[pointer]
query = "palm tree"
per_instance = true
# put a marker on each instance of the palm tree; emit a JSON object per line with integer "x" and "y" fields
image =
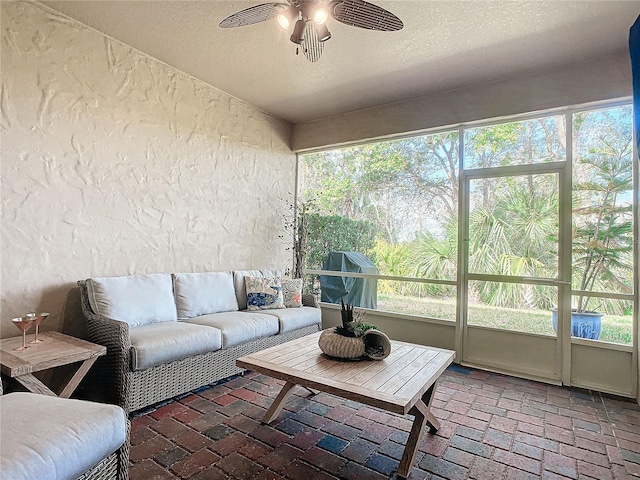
{"x": 436, "y": 258}
{"x": 514, "y": 236}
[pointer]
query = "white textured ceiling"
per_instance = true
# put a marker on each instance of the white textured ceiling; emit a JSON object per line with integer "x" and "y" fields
{"x": 444, "y": 45}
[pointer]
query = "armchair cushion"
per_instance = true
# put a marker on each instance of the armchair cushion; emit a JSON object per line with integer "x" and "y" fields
{"x": 56, "y": 438}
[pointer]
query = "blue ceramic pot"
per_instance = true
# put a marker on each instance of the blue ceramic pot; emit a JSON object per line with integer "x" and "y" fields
{"x": 583, "y": 324}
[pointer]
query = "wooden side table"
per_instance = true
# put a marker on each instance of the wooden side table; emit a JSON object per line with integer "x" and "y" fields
{"x": 57, "y": 349}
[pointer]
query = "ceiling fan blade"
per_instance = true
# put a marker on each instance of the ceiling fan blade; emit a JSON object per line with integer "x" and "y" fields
{"x": 358, "y": 13}
{"x": 311, "y": 46}
{"x": 255, "y": 14}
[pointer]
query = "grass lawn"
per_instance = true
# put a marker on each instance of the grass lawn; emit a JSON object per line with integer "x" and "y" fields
{"x": 616, "y": 329}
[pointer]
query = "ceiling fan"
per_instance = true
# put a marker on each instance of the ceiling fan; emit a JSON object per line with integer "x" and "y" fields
{"x": 309, "y": 18}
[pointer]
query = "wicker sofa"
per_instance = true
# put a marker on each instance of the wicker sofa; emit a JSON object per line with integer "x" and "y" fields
{"x": 54, "y": 438}
{"x": 168, "y": 334}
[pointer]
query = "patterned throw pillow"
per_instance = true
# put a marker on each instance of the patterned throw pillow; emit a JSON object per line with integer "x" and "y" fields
{"x": 292, "y": 291}
{"x": 263, "y": 293}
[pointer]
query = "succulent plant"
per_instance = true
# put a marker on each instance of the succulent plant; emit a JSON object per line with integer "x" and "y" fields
{"x": 352, "y": 324}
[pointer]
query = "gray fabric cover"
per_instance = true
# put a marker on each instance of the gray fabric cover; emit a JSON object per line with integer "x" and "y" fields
{"x": 239, "y": 327}
{"x": 54, "y": 438}
{"x": 136, "y": 299}
{"x": 204, "y": 293}
{"x": 295, "y": 318}
{"x": 159, "y": 343}
{"x": 239, "y": 285}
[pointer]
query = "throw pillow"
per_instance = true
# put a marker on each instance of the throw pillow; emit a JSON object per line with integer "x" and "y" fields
{"x": 292, "y": 292}
{"x": 263, "y": 293}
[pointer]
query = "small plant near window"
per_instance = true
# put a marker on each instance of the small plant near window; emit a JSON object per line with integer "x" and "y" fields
{"x": 296, "y": 233}
{"x": 602, "y": 231}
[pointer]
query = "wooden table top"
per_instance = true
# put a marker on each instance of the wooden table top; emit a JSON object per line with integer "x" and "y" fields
{"x": 57, "y": 349}
{"x": 394, "y": 384}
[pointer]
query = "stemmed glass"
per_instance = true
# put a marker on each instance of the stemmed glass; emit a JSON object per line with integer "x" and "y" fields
{"x": 23, "y": 324}
{"x": 38, "y": 318}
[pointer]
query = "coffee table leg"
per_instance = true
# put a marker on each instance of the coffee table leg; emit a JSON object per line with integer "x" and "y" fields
{"x": 422, "y": 417}
{"x": 278, "y": 403}
{"x": 313, "y": 392}
{"x": 427, "y": 398}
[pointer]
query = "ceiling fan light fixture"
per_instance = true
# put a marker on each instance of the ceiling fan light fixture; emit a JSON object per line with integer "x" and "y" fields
{"x": 320, "y": 15}
{"x": 298, "y": 32}
{"x": 285, "y": 19}
{"x": 310, "y": 16}
{"x": 323, "y": 32}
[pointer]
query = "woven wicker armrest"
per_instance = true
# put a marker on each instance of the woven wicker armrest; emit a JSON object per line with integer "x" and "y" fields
{"x": 112, "y": 333}
{"x": 309, "y": 300}
{"x": 114, "y": 367}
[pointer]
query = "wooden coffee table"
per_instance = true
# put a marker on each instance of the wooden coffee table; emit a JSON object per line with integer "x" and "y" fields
{"x": 57, "y": 349}
{"x": 402, "y": 383}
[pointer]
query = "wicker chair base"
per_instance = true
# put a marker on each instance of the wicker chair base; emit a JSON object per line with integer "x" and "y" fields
{"x": 106, "y": 469}
{"x": 113, "y": 467}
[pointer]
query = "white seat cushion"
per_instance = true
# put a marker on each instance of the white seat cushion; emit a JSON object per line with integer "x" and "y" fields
{"x": 46, "y": 437}
{"x": 159, "y": 343}
{"x": 204, "y": 293}
{"x": 239, "y": 327}
{"x": 295, "y": 318}
{"x": 136, "y": 299}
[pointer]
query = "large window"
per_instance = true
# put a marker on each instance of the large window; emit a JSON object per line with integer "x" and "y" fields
{"x": 602, "y": 221}
{"x": 397, "y": 203}
{"x": 516, "y": 143}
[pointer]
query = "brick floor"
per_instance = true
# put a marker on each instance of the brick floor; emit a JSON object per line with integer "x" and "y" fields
{"x": 493, "y": 427}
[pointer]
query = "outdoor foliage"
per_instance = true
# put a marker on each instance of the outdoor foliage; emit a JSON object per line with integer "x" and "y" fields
{"x": 602, "y": 216}
{"x": 334, "y": 233}
{"x": 404, "y": 193}
{"x": 311, "y": 236}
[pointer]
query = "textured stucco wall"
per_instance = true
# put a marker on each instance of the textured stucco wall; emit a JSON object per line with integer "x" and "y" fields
{"x": 114, "y": 163}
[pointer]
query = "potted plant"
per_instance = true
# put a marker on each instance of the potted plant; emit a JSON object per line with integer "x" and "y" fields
{"x": 354, "y": 339}
{"x": 601, "y": 234}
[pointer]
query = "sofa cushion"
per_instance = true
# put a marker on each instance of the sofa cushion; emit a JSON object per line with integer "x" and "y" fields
{"x": 136, "y": 299}
{"x": 47, "y": 437}
{"x": 295, "y": 318}
{"x": 239, "y": 283}
{"x": 204, "y": 293}
{"x": 239, "y": 327}
{"x": 263, "y": 293}
{"x": 292, "y": 292}
{"x": 153, "y": 345}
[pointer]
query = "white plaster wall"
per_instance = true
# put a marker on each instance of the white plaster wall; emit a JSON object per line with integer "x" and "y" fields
{"x": 114, "y": 163}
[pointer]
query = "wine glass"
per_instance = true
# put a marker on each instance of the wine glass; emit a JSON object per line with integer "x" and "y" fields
{"x": 23, "y": 324}
{"x": 38, "y": 318}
